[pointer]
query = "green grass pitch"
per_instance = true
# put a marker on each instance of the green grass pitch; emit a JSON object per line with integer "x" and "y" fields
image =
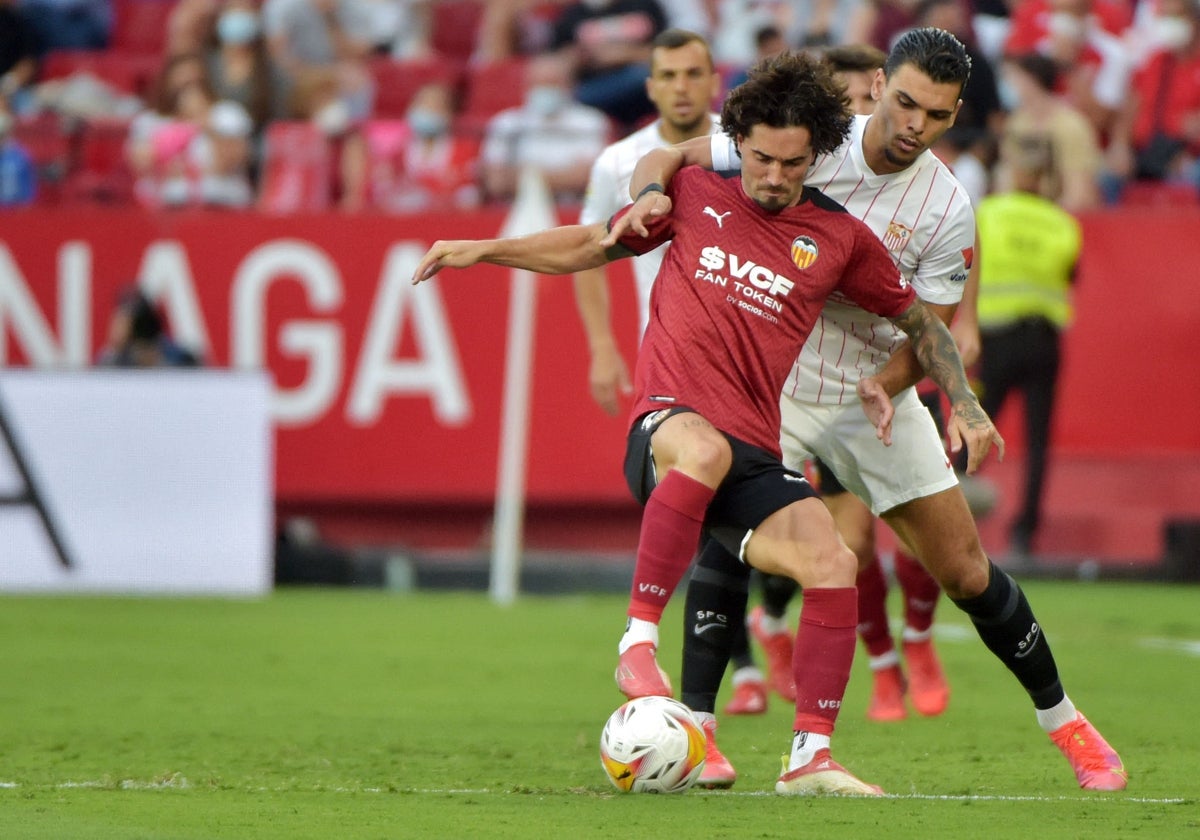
{"x": 367, "y": 714}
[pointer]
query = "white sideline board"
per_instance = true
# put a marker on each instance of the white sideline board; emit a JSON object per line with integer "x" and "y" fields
{"x": 136, "y": 481}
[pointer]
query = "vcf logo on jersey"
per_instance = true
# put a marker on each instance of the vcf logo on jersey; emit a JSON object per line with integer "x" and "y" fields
{"x": 804, "y": 251}
{"x": 749, "y": 279}
{"x": 896, "y": 236}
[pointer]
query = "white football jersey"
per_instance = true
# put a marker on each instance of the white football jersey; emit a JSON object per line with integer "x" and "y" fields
{"x": 608, "y": 192}
{"x": 924, "y": 217}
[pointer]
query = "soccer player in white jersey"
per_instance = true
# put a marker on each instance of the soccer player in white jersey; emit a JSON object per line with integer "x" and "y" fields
{"x": 886, "y": 175}
{"x": 855, "y": 65}
{"x": 682, "y": 85}
{"x": 751, "y": 262}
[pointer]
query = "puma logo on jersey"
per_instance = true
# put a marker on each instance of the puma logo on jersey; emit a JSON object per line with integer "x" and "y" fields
{"x": 708, "y": 211}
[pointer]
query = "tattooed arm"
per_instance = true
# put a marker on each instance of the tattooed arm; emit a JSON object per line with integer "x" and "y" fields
{"x": 934, "y": 348}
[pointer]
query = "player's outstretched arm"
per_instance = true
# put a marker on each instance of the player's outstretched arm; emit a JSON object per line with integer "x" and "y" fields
{"x": 560, "y": 250}
{"x": 935, "y": 350}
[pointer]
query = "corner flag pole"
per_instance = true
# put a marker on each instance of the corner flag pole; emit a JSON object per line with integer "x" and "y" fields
{"x": 532, "y": 211}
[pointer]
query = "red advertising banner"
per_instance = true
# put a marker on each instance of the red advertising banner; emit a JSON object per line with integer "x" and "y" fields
{"x": 388, "y": 393}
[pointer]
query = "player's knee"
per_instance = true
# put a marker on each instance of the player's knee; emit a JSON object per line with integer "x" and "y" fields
{"x": 964, "y": 573}
{"x": 829, "y": 564}
{"x": 863, "y": 551}
{"x": 706, "y": 458}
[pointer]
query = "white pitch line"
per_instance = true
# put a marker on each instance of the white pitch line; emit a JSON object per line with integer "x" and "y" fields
{"x": 1191, "y": 647}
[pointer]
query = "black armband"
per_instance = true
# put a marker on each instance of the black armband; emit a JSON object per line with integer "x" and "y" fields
{"x": 653, "y": 187}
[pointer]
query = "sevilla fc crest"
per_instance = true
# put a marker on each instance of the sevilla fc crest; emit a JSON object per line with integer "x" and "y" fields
{"x": 896, "y": 236}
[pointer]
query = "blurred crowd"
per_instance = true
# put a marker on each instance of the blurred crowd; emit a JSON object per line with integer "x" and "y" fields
{"x": 417, "y": 105}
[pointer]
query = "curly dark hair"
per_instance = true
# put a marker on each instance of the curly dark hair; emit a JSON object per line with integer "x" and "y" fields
{"x": 787, "y": 90}
{"x": 935, "y": 52}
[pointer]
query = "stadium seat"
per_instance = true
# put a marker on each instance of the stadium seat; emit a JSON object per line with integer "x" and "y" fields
{"x": 297, "y": 169}
{"x": 126, "y": 72}
{"x": 101, "y": 174}
{"x": 140, "y": 26}
{"x": 455, "y": 26}
{"x": 48, "y": 142}
{"x": 492, "y": 87}
{"x": 397, "y": 81}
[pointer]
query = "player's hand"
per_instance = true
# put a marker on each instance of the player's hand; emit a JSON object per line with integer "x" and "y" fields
{"x": 609, "y": 379}
{"x": 453, "y": 253}
{"x": 649, "y": 206}
{"x": 970, "y": 426}
{"x": 966, "y": 338}
{"x": 877, "y": 405}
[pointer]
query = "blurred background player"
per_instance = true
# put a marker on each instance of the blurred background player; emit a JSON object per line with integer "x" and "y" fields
{"x": 682, "y": 85}
{"x": 1029, "y": 252}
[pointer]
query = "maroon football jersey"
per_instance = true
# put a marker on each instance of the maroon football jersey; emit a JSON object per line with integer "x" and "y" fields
{"x": 738, "y": 292}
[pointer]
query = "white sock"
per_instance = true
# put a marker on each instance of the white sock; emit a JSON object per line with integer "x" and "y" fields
{"x": 911, "y": 635}
{"x": 637, "y": 631}
{"x": 772, "y": 626}
{"x": 747, "y": 674}
{"x": 804, "y": 748}
{"x": 884, "y": 660}
{"x": 1057, "y": 716}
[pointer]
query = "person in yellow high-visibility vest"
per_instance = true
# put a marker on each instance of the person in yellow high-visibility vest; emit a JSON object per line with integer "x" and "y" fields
{"x": 1029, "y": 250}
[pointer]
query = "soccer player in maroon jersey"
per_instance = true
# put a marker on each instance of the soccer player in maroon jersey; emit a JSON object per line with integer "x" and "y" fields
{"x": 752, "y": 260}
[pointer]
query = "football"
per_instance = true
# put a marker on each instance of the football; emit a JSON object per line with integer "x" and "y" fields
{"x": 652, "y": 745}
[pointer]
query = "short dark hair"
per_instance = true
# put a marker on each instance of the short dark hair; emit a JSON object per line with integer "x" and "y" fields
{"x": 935, "y": 52}
{"x": 786, "y": 90}
{"x": 673, "y": 39}
{"x": 854, "y": 58}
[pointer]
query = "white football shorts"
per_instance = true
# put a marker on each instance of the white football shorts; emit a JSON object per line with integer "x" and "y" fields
{"x": 914, "y": 466}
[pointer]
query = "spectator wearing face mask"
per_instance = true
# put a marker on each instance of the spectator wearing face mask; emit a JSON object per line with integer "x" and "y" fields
{"x": 550, "y": 132}
{"x": 419, "y": 163}
{"x": 317, "y": 40}
{"x": 240, "y": 67}
{"x": 1157, "y": 137}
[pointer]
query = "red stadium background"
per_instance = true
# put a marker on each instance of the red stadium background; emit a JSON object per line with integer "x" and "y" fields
{"x": 388, "y": 398}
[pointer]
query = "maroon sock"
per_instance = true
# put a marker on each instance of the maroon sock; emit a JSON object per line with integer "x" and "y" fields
{"x": 921, "y": 592}
{"x": 873, "y": 626}
{"x": 822, "y": 656}
{"x": 669, "y": 538}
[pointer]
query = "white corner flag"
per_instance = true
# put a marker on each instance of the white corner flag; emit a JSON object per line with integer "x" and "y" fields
{"x": 532, "y": 211}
